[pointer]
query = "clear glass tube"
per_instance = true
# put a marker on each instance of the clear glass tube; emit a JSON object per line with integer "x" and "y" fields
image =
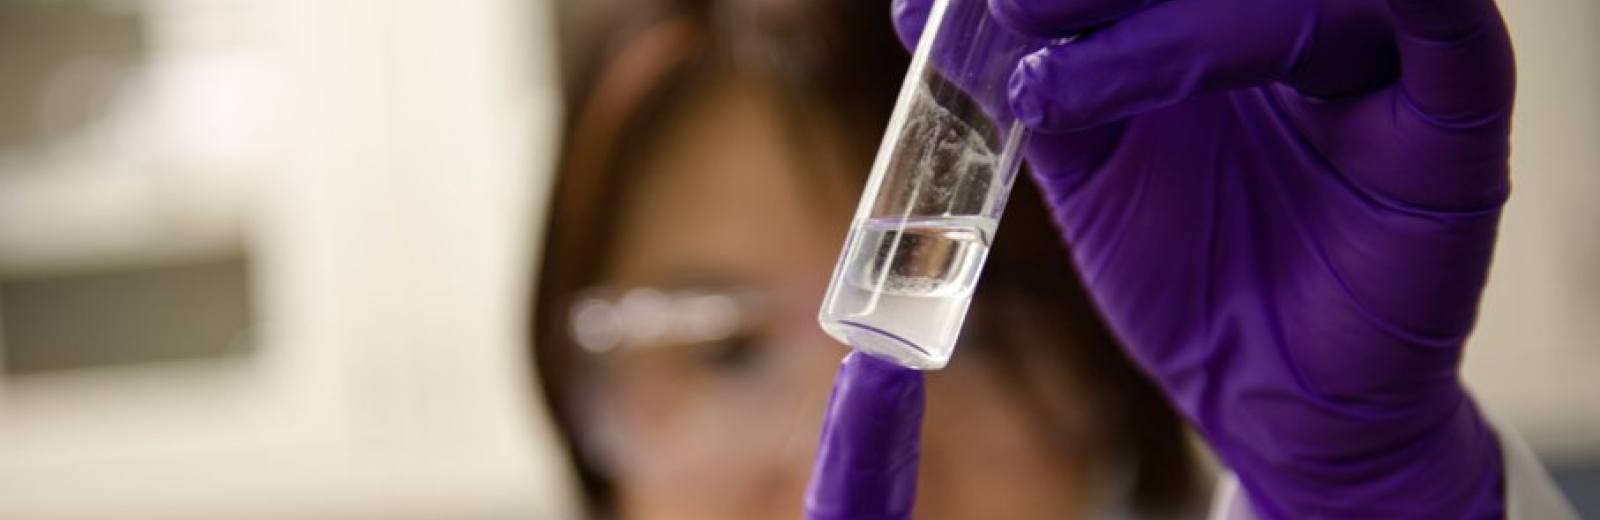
{"x": 938, "y": 186}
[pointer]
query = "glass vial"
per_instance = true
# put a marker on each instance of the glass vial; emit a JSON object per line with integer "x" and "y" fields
{"x": 922, "y": 230}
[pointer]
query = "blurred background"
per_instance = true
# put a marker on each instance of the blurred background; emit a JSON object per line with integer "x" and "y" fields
{"x": 269, "y": 259}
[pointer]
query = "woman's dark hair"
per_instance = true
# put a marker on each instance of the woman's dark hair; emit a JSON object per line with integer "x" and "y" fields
{"x": 627, "y": 62}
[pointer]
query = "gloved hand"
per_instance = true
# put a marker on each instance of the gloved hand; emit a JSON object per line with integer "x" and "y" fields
{"x": 866, "y": 466}
{"x": 1285, "y": 209}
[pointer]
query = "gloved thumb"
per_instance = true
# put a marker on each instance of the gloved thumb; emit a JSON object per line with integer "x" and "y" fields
{"x": 866, "y": 465}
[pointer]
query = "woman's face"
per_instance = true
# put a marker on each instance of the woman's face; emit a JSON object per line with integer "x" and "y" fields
{"x": 725, "y": 428}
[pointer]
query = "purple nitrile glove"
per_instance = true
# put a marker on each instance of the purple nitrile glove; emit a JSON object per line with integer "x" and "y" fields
{"x": 1285, "y": 209}
{"x": 866, "y": 465}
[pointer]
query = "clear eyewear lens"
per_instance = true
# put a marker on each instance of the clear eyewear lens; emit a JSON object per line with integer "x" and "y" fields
{"x": 651, "y": 318}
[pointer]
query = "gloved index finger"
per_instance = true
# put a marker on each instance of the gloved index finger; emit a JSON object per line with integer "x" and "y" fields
{"x": 866, "y": 465}
{"x": 967, "y": 49}
{"x": 1045, "y": 19}
{"x": 1061, "y": 18}
{"x": 909, "y": 17}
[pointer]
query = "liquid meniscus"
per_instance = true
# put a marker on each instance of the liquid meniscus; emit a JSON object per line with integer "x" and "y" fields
{"x": 903, "y": 290}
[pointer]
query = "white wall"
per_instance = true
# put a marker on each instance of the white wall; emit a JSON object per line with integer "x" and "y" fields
{"x": 387, "y": 192}
{"x": 1537, "y": 348}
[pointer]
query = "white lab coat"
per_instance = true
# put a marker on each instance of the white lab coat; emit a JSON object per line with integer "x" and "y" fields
{"x": 1530, "y": 494}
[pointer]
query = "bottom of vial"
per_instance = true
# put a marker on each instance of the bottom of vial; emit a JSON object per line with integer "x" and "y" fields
{"x": 886, "y": 345}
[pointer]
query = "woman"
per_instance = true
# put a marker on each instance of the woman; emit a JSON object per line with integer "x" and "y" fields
{"x": 1283, "y": 209}
{"x": 715, "y": 151}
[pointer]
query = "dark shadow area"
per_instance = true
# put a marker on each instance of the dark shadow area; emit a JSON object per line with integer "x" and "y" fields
{"x": 127, "y": 316}
{"x": 1580, "y": 481}
{"x": 59, "y": 63}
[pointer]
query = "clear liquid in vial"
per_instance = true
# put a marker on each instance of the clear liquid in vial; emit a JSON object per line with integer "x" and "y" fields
{"x": 904, "y": 287}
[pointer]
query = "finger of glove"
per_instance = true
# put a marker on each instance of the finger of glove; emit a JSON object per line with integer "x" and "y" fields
{"x": 1351, "y": 52}
{"x": 1438, "y": 141}
{"x": 1456, "y": 59}
{"x": 866, "y": 465}
{"x": 1048, "y": 19}
{"x": 909, "y": 16}
{"x": 1158, "y": 57}
{"x": 1059, "y": 159}
{"x": 1061, "y": 18}
{"x": 970, "y": 52}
